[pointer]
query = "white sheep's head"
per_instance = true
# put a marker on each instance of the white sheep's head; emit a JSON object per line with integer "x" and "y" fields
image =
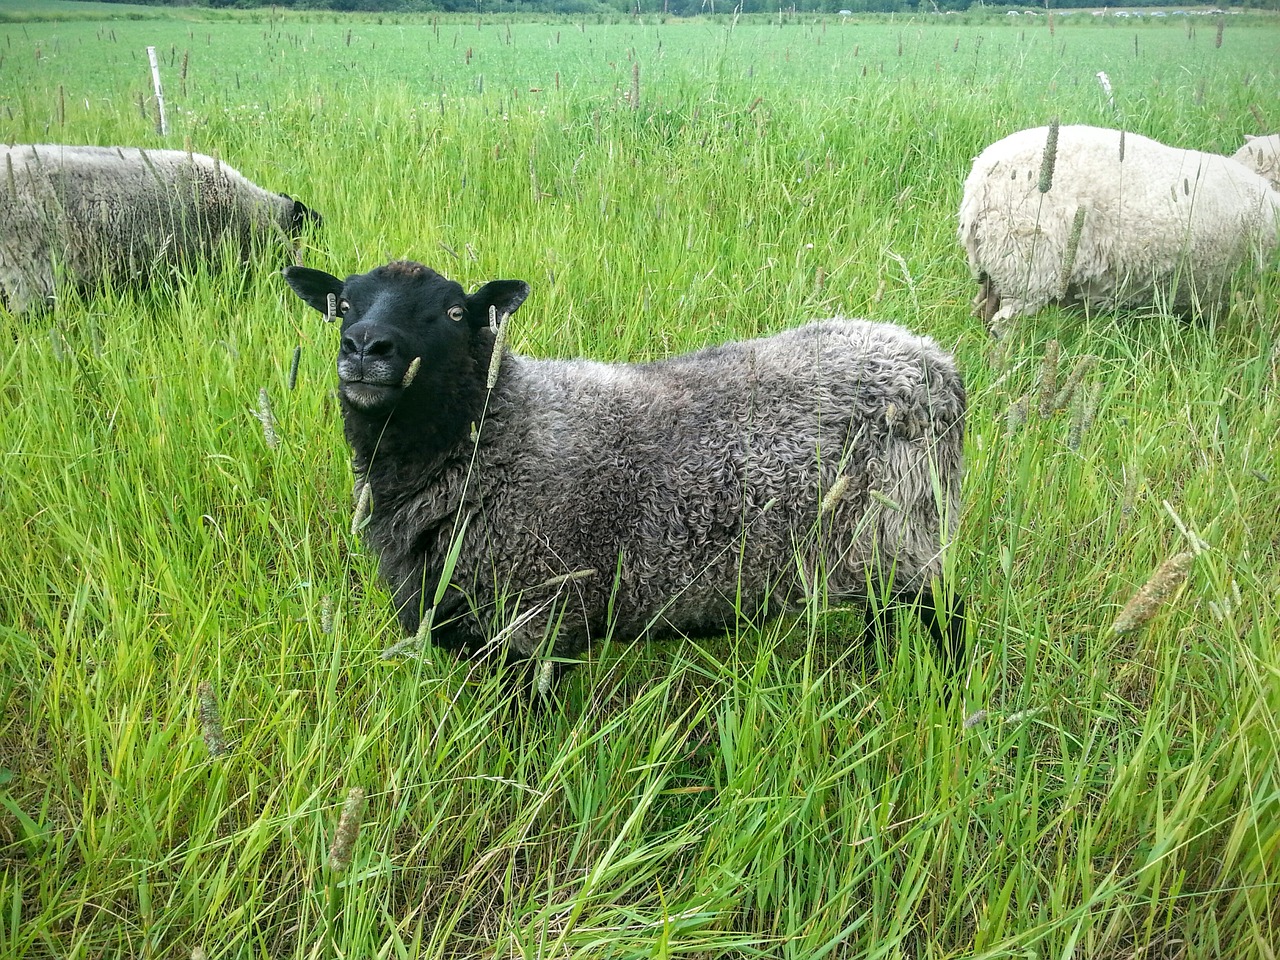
{"x": 1262, "y": 156}
{"x": 405, "y": 330}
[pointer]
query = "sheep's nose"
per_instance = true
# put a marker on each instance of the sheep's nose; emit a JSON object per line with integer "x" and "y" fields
{"x": 365, "y": 342}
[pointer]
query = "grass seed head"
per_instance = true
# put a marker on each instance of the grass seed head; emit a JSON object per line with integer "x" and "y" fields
{"x": 1083, "y": 412}
{"x": 411, "y": 373}
{"x": 499, "y": 346}
{"x": 833, "y": 495}
{"x": 210, "y": 721}
{"x": 1076, "y": 377}
{"x": 1050, "y": 157}
{"x": 1142, "y": 606}
{"x": 1069, "y": 256}
{"x": 363, "y": 505}
{"x": 884, "y": 500}
{"x": 267, "y": 419}
{"x": 1049, "y": 379}
{"x": 326, "y": 614}
{"x": 293, "y": 367}
{"x": 344, "y": 838}
{"x": 1016, "y": 416}
{"x": 546, "y": 673}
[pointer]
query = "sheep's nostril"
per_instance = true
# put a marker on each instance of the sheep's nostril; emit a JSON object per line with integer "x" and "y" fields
{"x": 378, "y": 348}
{"x": 349, "y": 346}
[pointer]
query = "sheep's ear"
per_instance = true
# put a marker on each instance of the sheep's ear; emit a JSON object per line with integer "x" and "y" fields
{"x": 505, "y": 296}
{"x": 301, "y": 216}
{"x": 314, "y": 286}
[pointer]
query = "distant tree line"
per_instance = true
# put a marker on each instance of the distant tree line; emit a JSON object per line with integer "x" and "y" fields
{"x": 679, "y": 8}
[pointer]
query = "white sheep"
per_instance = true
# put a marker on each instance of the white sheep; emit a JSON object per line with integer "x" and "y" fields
{"x": 89, "y": 214}
{"x": 1124, "y": 221}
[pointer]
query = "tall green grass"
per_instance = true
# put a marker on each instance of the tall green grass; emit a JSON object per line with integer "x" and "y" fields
{"x": 772, "y": 793}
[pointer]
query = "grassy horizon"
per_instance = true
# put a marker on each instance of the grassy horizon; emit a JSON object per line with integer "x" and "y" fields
{"x": 767, "y": 794}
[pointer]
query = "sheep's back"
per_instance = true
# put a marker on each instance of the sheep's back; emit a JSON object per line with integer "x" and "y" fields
{"x": 1158, "y": 212}
{"x": 705, "y": 472}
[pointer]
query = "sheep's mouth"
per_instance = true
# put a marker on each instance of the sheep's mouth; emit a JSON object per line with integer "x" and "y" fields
{"x": 369, "y": 394}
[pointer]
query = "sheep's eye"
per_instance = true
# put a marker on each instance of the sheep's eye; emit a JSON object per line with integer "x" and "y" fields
{"x": 456, "y": 314}
{"x": 344, "y": 305}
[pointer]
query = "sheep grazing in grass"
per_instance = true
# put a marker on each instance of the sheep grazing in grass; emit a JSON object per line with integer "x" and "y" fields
{"x": 540, "y": 505}
{"x": 92, "y": 214}
{"x": 1109, "y": 218}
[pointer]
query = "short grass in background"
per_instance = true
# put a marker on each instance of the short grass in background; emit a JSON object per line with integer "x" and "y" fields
{"x": 191, "y": 692}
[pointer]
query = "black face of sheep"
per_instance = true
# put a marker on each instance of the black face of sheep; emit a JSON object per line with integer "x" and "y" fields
{"x": 302, "y": 217}
{"x": 402, "y": 313}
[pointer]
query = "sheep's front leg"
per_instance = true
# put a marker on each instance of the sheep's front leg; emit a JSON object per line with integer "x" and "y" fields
{"x": 987, "y": 301}
{"x": 944, "y": 619}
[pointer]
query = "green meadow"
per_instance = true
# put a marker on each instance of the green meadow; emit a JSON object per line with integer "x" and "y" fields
{"x": 781, "y": 791}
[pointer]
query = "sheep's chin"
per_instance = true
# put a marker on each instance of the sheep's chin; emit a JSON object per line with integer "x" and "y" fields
{"x": 369, "y": 397}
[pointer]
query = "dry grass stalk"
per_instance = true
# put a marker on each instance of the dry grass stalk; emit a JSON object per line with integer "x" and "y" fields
{"x": 1105, "y": 83}
{"x": 1142, "y": 606}
{"x": 344, "y": 838}
{"x": 585, "y": 574}
{"x": 1224, "y": 608}
{"x": 1198, "y": 545}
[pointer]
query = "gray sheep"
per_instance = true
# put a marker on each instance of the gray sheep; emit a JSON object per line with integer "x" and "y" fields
{"x": 622, "y": 500}
{"x": 117, "y": 213}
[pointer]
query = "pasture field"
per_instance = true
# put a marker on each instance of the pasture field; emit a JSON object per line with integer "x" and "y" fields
{"x": 778, "y": 792}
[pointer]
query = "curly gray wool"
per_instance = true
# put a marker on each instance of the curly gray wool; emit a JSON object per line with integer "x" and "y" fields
{"x": 615, "y": 499}
{"x": 89, "y": 214}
